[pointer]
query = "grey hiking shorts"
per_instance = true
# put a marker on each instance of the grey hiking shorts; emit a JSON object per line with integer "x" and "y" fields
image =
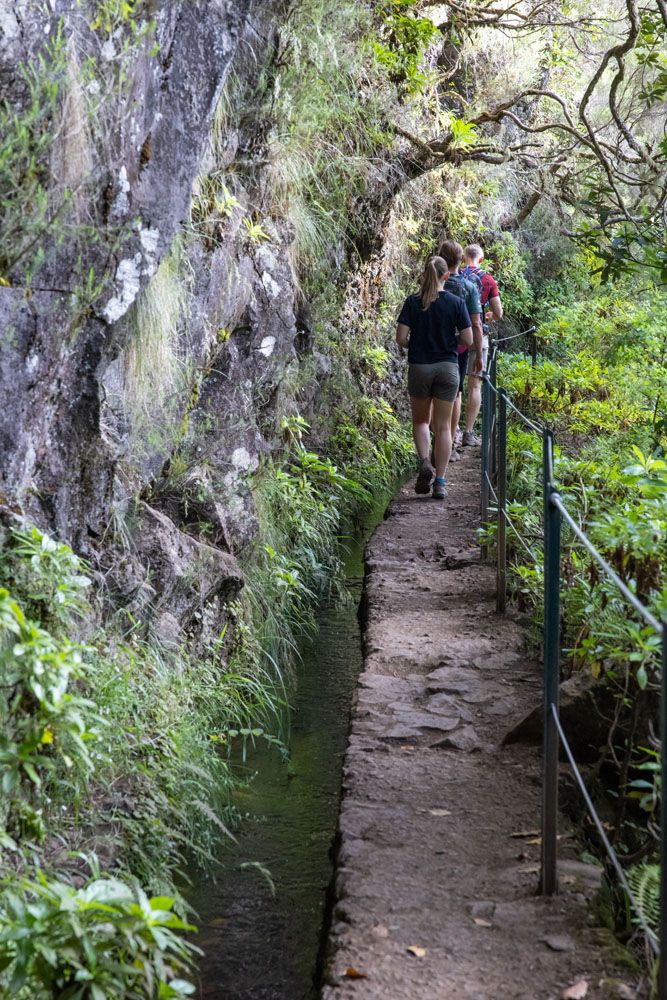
{"x": 439, "y": 381}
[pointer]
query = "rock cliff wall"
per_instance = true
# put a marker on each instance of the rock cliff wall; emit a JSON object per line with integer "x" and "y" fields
{"x": 159, "y": 326}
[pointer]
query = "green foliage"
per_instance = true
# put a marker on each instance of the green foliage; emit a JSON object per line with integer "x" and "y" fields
{"x": 325, "y": 124}
{"x": 158, "y": 368}
{"x": 644, "y": 881}
{"x": 48, "y": 573}
{"x": 45, "y": 725}
{"x": 118, "y": 735}
{"x": 26, "y": 143}
{"x": 403, "y": 39}
{"x": 509, "y": 264}
{"x": 225, "y": 202}
{"x": 255, "y": 232}
{"x": 376, "y": 360}
{"x": 464, "y": 134}
{"x": 601, "y": 385}
{"x": 633, "y": 242}
{"x": 112, "y": 16}
{"x": 99, "y": 942}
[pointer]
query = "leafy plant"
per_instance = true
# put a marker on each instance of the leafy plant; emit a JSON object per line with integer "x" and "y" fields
{"x": 255, "y": 232}
{"x": 403, "y": 39}
{"x": 644, "y": 881}
{"x": 99, "y": 942}
{"x": 46, "y": 726}
{"x": 26, "y": 212}
{"x": 50, "y": 576}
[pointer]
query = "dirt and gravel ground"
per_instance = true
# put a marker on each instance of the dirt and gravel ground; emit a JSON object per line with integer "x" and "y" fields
{"x": 439, "y": 852}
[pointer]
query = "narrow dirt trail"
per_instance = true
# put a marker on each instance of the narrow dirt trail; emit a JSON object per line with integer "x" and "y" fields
{"x": 429, "y": 853}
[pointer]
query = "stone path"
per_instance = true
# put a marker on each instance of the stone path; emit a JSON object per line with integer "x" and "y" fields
{"x": 439, "y": 850}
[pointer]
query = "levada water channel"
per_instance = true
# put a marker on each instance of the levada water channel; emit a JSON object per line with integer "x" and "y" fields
{"x": 259, "y": 946}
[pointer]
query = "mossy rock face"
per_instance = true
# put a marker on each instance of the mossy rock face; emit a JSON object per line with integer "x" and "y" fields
{"x": 605, "y": 939}
{"x": 56, "y": 458}
{"x": 603, "y": 906}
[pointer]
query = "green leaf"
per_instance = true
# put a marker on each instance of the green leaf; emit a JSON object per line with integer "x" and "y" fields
{"x": 161, "y": 902}
{"x": 32, "y": 773}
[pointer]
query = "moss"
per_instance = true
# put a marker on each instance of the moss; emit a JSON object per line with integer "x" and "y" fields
{"x": 620, "y": 956}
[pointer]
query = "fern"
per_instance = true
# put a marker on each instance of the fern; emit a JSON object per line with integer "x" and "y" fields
{"x": 644, "y": 881}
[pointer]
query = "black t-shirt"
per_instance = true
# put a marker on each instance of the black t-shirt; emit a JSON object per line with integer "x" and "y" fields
{"x": 433, "y": 332}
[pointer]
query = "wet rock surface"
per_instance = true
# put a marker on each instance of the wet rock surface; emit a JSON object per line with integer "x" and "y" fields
{"x": 439, "y": 858}
{"x": 169, "y": 383}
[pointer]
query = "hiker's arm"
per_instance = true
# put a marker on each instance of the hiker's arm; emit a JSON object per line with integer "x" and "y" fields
{"x": 466, "y": 336}
{"x": 477, "y": 340}
{"x": 495, "y": 308}
{"x": 402, "y": 335}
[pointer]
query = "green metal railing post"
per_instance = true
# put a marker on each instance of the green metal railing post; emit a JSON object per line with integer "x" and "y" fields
{"x": 487, "y": 393}
{"x": 533, "y": 350}
{"x": 501, "y": 566}
{"x": 552, "y": 524}
{"x": 662, "y": 967}
{"x": 493, "y": 370}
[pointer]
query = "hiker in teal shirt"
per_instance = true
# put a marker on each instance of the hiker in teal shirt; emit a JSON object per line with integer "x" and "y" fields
{"x": 469, "y": 292}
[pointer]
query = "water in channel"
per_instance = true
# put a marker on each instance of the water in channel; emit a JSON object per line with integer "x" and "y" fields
{"x": 263, "y": 947}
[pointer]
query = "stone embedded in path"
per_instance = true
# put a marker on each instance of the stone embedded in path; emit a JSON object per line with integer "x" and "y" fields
{"x": 384, "y": 683}
{"x": 401, "y": 732}
{"x": 447, "y": 708}
{"x": 465, "y": 739}
{"x": 581, "y": 876}
{"x": 451, "y": 680}
{"x": 426, "y": 720}
{"x": 558, "y": 942}
{"x": 500, "y": 708}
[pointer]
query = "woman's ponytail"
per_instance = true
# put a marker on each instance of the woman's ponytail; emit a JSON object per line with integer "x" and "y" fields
{"x": 434, "y": 271}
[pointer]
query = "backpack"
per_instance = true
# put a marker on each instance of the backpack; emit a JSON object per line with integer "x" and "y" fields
{"x": 475, "y": 275}
{"x": 456, "y": 287}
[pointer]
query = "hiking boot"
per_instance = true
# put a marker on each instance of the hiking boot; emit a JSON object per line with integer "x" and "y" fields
{"x": 458, "y": 437}
{"x": 454, "y": 457}
{"x": 470, "y": 440}
{"x": 439, "y": 492}
{"x": 424, "y": 478}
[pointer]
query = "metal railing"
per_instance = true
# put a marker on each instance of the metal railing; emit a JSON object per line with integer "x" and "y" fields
{"x": 496, "y": 409}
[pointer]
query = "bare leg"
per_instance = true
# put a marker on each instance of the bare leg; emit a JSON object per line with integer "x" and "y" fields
{"x": 442, "y": 427}
{"x": 421, "y": 418}
{"x": 474, "y": 403}
{"x": 456, "y": 414}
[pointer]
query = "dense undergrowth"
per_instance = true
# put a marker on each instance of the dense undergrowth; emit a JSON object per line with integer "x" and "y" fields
{"x": 118, "y": 754}
{"x": 601, "y": 385}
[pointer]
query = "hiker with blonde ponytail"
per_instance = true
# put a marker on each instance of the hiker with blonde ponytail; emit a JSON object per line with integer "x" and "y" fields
{"x": 431, "y": 325}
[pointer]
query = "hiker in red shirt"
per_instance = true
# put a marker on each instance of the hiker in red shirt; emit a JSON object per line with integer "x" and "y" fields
{"x": 473, "y": 256}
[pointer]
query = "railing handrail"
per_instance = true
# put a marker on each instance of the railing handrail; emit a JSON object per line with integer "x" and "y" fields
{"x": 613, "y": 857}
{"x": 631, "y": 598}
{"x": 494, "y": 438}
{"x": 581, "y": 535}
{"x": 524, "y": 333}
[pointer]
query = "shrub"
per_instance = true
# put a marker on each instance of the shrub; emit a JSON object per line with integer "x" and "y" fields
{"x": 45, "y": 725}
{"x": 99, "y": 942}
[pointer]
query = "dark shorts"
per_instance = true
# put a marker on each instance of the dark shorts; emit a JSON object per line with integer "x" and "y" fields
{"x": 463, "y": 368}
{"x": 439, "y": 381}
